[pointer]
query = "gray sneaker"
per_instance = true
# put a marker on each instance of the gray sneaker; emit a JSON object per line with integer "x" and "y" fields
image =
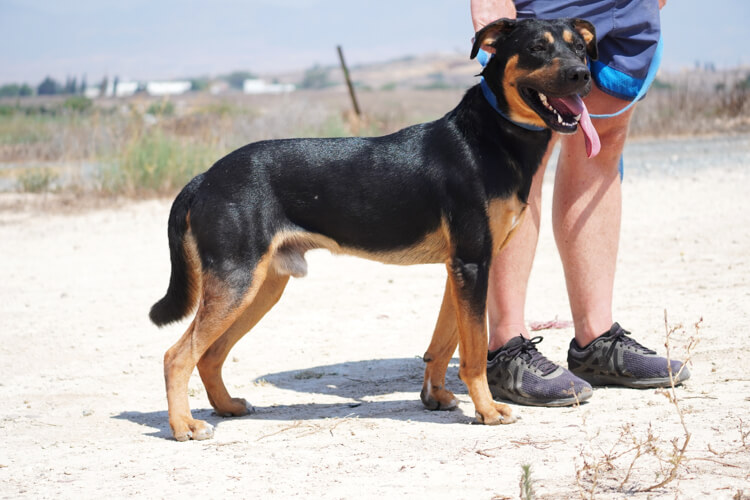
{"x": 615, "y": 358}
{"x": 520, "y": 373}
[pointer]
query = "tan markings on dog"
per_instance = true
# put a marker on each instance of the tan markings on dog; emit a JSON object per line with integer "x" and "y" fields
{"x": 218, "y": 309}
{"x": 568, "y": 36}
{"x": 472, "y": 345}
{"x": 587, "y": 35}
{"x": 548, "y": 36}
{"x": 518, "y": 109}
{"x": 490, "y": 34}
{"x": 505, "y": 216}
{"x": 442, "y": 346}
{"x": 288, "y": 249}
{"x": 193, "y": 267}
{"x": 211, "y": 362}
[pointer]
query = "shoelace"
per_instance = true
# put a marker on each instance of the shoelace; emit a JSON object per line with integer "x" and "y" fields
{"x": 528, "y": 350}
{"x": 622, "y": 336}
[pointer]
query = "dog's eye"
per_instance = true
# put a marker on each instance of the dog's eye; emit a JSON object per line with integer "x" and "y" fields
{"x": 579, "y": 46}
{"x": 537, "y": 48}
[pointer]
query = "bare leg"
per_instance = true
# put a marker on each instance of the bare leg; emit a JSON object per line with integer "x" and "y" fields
{"x": 586, "y": 212}
{"x": 509, "y": 273}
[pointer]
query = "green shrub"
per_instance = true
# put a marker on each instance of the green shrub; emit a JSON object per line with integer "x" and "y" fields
{"x": 161, "y": 108}
{"x": 6, "y": 110}
{"x": 37, "y": 180}
{"x": 154, "y": 162}
{"x": 78, "y": 104}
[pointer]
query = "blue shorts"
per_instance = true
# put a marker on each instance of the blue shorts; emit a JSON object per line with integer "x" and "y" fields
{"x": 627, "y": 32}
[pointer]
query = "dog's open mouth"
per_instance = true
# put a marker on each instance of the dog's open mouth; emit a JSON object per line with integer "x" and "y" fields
{"x": 564, "y": 115}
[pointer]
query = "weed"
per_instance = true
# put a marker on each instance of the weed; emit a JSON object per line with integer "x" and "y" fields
{"x": 78, "y": 104}
{"x": 181, "y": 144}
{"x": 153, "y": 162}
{"x": 526, "y": 483}
{"x": 161, "y": 108}
{"x": 667, "y": 461}
{"x": 36, "y": 180}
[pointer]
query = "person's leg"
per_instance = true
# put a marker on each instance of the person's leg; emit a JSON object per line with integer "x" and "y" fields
{"x": 510, "y": 269}
{"x": 586, "y": 212}
{"x": 516, "y": 370}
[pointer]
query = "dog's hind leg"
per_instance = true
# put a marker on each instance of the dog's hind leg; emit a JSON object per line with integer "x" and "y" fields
{"x": 210, "y": 364}
{"x": 444, "y": 341}
{"x": 220, "y": 306}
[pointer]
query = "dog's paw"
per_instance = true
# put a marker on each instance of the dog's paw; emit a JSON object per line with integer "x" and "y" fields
{"x": 197, "y": 430}
{"x": 236, "y": 407}
{"x": 439, "y": 399}
{"x": 501, "y": 417}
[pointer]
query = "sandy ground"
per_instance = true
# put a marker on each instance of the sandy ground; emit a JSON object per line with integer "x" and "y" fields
{"x": 334, "y": 370}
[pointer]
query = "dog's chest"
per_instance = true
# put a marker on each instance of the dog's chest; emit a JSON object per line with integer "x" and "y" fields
{"x": 504, "y": 217}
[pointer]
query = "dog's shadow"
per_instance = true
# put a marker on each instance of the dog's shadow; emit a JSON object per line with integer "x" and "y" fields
{"x": 360, "y": 384}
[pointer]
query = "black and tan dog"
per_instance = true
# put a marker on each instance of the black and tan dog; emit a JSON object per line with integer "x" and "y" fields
{"x": 450, "y": 191}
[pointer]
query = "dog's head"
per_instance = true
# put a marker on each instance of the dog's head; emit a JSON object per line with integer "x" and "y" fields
{"x": 538, "y": 71}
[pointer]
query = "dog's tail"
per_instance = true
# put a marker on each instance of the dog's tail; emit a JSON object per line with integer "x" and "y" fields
{"x": 185, "y": 280}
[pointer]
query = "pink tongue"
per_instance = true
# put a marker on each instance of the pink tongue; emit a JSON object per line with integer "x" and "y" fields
{"x": 574, "y": 105}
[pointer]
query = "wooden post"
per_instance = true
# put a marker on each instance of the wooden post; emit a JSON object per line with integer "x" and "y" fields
{"x": 348, "y": 82}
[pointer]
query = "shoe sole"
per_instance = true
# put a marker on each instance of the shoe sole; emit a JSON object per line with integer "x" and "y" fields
{"x": 633, "y": 383}
{"x": 499, "y": 393}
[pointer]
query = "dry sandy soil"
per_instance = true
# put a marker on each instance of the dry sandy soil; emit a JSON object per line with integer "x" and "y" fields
{"x": 334, "y": 370}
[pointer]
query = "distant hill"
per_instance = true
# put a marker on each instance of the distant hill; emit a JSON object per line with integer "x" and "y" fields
{"x": 439, "y": 70}
{"x": 454, "y": 70}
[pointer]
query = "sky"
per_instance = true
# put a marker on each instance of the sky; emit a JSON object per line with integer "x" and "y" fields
{"x": 160, "y": 39}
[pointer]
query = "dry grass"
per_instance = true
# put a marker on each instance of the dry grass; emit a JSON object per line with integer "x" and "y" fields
{"x": 145, "y": 145}
{"x": 612, "y": 468}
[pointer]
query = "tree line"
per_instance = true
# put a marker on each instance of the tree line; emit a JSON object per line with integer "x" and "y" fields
{"x": 316, "y": 77}
{"x": 48, "y": 86}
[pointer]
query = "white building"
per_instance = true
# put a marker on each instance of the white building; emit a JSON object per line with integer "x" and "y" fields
{"x": 92, "y": 92}
{"x": 126, "y": 89}
{"x": 258, "y": 86}
{"x": 175, "y": 87}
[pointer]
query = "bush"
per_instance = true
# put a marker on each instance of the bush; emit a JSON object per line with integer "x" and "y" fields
{"x": 15, "y": 90}
{"x": 237, "y": 79}
{"x": 6, "y": 110}
{"x": 316, "y": 77}
{"x": 78, "y": 104}
{"x": 161, "y": 108}
{"x": 154, "y": 162}
{"x": 36, "y": 180}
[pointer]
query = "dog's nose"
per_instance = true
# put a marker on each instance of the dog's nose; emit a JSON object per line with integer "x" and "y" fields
{"x": 578, "y": 74}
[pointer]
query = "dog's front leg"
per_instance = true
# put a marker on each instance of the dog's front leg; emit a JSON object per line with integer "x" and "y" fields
{"x": 444, "y": 341}
{"x": 468, "y": 281}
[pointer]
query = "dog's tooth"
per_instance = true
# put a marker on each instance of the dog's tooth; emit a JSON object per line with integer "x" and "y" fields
{"x": 543, "y": 98}
{"x": 559, "y": 118}
{"x": 577, "y": 117}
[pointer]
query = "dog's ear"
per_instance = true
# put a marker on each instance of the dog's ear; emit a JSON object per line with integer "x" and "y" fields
{"x": 487, "y": 36}
{"x": 588, "y": 32}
